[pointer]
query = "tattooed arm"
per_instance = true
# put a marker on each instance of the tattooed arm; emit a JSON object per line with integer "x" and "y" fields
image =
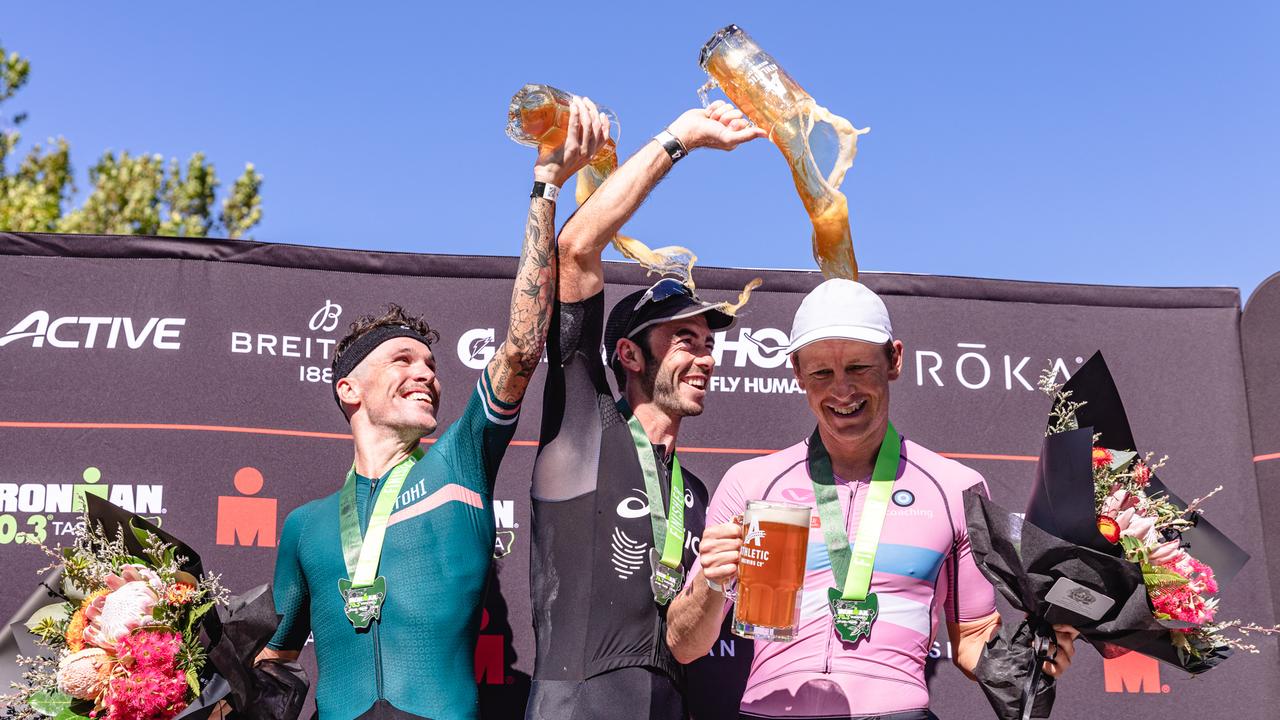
{"x": 533, "y": 296}
{"x": 586, "y": 234}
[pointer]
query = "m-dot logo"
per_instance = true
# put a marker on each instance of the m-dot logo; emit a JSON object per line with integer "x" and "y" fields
{"x": 1132, "y": 673}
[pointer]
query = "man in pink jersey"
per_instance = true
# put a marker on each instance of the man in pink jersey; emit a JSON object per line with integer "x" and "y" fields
{"x": 844, "y": 356}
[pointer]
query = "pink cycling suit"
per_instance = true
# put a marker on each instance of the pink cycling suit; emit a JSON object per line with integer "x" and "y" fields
{"x": 923, "y": 566}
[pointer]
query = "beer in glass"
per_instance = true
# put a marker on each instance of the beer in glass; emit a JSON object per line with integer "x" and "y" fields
{"x": 771, "y": 564}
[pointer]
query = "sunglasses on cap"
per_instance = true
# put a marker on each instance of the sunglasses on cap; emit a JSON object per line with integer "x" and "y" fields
{"x": 664, "y": 289}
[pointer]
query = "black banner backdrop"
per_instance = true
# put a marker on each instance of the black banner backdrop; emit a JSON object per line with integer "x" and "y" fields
{"x": 188, "y": 381}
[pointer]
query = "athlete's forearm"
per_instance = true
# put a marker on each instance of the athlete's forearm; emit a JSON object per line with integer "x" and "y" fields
{"x": 585, "y": 236}
{"x": 280, "y": 655}
{"x": 531, "y": 304}
{"x": 968, "y": 639}
{"x": 693, "y": 621}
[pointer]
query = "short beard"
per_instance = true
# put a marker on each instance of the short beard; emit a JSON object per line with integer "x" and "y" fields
{"x": 664, "y": 395}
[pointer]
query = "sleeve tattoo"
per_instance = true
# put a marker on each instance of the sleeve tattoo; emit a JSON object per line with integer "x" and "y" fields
{"x": 531, "y": 306}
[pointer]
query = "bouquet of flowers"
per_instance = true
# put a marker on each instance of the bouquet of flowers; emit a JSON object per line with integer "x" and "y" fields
{"x": 1104, "y": 546}
{"x": 132, "y": 637}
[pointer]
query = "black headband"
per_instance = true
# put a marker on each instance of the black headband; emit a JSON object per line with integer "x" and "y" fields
{"x": 359, "y": 350}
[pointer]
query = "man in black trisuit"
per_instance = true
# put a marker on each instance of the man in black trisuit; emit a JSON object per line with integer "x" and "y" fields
{"x": 609, "y": 546}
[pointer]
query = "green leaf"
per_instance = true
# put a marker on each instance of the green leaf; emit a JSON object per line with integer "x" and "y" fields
{"x": 197, "y": 613}
{"x": 59, "y": 706}
{"x": 1121, "y": 458}
{"x": 143, "y": 536}
{"x": 47, "y": 702}
{"x": 56, "y": 612}
{"x": 193, "y": 681}
{"x": 1156, "y": 577}
{"x": 1131, "y": 545}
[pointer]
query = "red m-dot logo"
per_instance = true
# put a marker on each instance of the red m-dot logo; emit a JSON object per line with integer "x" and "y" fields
{"x": 245, "y": 520}
{"x": 1132, "y": 673}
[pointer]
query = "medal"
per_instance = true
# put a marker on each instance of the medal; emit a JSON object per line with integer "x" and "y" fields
{"x": 666, "y": 582}
{"x": 667, "y": 576}
{"x": 363, "y": 590}
{"x": 853, "y": 618}
{"x": 363, "y": 604}
{"x": 853, "y": 607}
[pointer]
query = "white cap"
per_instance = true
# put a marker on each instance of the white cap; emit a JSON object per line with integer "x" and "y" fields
{"x": 840, "y": 309}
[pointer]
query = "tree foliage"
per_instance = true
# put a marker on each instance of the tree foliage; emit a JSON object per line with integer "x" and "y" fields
{"x": 130, "y": 194}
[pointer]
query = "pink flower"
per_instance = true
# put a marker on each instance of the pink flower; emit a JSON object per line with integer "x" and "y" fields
{"x": 152, "y": 687}
{"x": 1166, "y": 553}
{"x": 135, "y": 573}
{"x": 149, "y": 649}
{"x": 1119, "y": 499}
{"x": 84, "y": 674}
{"x": 1141, "y": 473}
{"x": 118, "y": 613}
{"x": 1138, "y": 526}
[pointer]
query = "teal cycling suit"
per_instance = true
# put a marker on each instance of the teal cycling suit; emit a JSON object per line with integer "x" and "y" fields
{"x": 436, "y": 557}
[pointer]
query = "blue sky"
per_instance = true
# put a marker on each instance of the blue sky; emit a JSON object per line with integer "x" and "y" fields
{"x": 1092, "y": 142}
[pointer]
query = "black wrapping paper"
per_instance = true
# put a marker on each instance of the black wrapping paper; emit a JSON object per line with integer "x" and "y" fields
{"x": 1059, "y": 538}
{"x": 233, "y": 635}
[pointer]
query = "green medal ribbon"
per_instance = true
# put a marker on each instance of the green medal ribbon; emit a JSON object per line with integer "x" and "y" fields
{"x": 363, "y": 591}
{"x": 854, "y": 607}
{"x": 668, "y": 532}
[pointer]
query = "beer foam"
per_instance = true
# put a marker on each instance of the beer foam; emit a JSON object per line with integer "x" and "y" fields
{"x": 798, "y": 516}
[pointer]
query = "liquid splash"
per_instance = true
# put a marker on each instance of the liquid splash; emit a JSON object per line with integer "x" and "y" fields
{"x": 771, "y": 99}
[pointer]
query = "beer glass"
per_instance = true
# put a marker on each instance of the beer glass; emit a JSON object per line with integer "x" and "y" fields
{"x": 771, "y": 564}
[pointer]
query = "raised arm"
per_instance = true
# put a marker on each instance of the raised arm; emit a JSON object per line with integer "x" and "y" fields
{"x": 586, "y": 234}
{"x": 531, "y": 298}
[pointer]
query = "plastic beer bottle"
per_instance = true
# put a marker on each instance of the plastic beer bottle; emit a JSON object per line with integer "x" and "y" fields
{"x": 754, "y": 81}
{"x": 539, "y": 116}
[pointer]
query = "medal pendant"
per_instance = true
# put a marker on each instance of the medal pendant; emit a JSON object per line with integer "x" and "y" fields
{"x": 853, "y": 618}
{"x": 363, "y": 605}
{"x": 664, "y": 581}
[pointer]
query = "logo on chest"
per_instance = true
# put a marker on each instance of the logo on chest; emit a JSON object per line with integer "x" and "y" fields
{"x": 416, "y": 500}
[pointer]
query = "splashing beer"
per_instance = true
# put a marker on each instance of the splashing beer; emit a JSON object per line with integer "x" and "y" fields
{"x": 755, "y": 82}
{"x": 539, "y": 117}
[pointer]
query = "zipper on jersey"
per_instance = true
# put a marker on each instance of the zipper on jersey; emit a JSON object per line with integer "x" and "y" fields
{"x": 848, "y": 524}
{"x": 377, "y": 645}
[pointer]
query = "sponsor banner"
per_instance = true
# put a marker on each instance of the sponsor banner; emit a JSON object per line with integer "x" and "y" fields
{"x": 189, "y": 381}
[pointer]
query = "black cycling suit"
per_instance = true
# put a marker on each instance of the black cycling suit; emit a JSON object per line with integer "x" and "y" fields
{"x": 601, "y": 638}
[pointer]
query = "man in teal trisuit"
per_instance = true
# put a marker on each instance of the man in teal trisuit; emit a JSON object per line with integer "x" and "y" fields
{"x": 389, "y": 572}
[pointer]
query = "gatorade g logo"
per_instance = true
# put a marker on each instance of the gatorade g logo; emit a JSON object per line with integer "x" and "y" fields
{"x": 476, "y": 347}
{"x": 1132, "y": 673}
{"x": 247, "y": 521}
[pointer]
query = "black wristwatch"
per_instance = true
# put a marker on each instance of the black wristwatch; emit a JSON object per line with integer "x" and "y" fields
{"x": 669, "y": 142}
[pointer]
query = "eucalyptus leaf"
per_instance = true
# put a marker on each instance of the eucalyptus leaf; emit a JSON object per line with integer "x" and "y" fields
{"x": 1121, "y": 458}
{"x": 144, "y": 536}
{"x": 56, "y": 612}
{"x": 46, "y": 702}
